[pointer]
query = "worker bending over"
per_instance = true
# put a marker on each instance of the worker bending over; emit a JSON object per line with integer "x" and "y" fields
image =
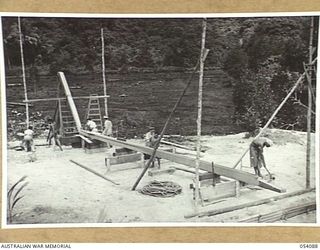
{"x": 91, "y": 125}
{"x": 28, "y": 143}
{"x": 256, "y": 154}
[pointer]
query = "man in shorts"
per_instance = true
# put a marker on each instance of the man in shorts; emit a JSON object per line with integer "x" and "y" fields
{"x": 256, "y": 154}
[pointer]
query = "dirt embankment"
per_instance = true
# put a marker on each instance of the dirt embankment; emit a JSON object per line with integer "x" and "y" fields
{"x": 138, "y": 100}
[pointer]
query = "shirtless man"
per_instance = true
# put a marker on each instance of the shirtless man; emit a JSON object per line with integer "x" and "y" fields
{"x": 256, "y": 154}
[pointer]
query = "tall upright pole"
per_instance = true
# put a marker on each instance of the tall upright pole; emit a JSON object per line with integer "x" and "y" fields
{"x": 104, "y": 74}
{"x": 167, "y": 122}
{"x": 203, "y": 42}
{"x": 23, "y": 73}
{"x": 309, "y": 108}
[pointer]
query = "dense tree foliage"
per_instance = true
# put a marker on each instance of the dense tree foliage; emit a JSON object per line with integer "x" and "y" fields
{"x": 265, "y": 67}
{"x": 264, "y": 56}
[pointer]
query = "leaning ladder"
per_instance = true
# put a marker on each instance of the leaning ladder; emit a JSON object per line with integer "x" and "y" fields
{"x": 94, "y": 111}
{"x": 67, "y": 123}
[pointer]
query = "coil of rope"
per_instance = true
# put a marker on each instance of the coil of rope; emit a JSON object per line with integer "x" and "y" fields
{"x": 161, "y": 189}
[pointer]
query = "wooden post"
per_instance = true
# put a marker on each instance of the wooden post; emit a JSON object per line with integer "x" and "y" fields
{"x": 108, "y": 164}
{"x": 23, "y": 73}
{"x": 203, "y": 42}
{"x": 141, "y": 160}
{"x": 104, "y": 75}
{"x": 154, "y": 151}
{"x": 309, "y": 109}
{"x": 238, "y": 186}
{"x": 60, "y": 119}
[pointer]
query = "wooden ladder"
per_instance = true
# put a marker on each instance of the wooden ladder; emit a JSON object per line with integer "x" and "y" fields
{"x": 67, "y": 124}
{"x": 94, "y": 111}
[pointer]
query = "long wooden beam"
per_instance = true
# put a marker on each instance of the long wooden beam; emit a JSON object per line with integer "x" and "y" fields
{"x": 72, "y": 105}
{"x": 94, "y": 172}
{"x": 184, "y": 160}
{"x": 63, "y": 98}
{"x": 18, "y": 104}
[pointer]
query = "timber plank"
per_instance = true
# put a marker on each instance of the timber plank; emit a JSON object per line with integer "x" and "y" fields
{"x": 72, "y": 105}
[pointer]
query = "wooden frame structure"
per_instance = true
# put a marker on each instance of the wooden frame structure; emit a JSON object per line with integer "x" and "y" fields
{"x": 67, "y": 102}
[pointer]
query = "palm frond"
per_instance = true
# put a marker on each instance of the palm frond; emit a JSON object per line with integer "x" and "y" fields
{"x": 13, "y": 187}
{"x": 15, "y": 201}
{"x": 20, "y": 189}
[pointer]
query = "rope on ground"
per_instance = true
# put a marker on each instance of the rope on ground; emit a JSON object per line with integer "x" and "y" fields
{"x": 161, "y": 189}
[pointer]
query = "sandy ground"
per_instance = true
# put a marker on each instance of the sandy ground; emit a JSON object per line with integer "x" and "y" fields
{"x": 62, "y": 192}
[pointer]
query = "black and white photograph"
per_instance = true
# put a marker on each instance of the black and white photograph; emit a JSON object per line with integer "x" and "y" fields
{"x": 135, "y": 120}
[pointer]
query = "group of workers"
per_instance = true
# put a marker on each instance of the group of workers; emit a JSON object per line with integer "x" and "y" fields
{"x": 257, "y": 160}
{"x": 28, "y": 142}
{"x": 92, "y": 126}
{"x": 151, "y": 139}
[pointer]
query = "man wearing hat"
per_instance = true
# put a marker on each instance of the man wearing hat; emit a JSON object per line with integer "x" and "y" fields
{"x": 256, "y": 154}
{"x": 151, "y": 139}
{"x": 107, "y": 126}
{"x": 150, "y": 134}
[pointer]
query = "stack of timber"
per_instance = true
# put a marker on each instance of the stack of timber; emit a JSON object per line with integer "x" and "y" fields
{"x": 248, "y": 204}
{"x": 281, "y": 214}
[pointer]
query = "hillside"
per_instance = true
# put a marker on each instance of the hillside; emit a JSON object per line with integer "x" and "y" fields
{"x": 259, "y": 59}
{"x": 139, "y": 100}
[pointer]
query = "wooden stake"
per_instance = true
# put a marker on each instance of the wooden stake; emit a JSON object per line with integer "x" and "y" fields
{"x": 203, "y": 42}
{"x": 104, "y": 74}
{"x": 309, "y": 109}
{"x": 23, "y": 73}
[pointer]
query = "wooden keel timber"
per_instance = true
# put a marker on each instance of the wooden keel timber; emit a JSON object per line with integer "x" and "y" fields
{"x": 188, "y": 161}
